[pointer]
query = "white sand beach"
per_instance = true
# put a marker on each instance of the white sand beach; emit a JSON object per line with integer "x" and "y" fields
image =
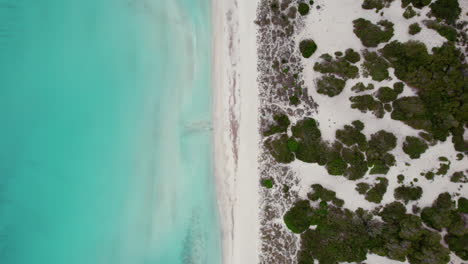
{"x": 236, "y": 127}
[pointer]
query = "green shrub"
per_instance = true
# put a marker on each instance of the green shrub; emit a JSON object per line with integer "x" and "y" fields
{"x": 267, "y": 183}
{"x": 438, "y": 216}
{"x": 377, "y": 4}
{"x": 416, "y": 3}
{"x": 321, "y": 193}
{"x": 459, "y": 176}
{"x": 386, "y": 94}
{"x": 303, "y": 9}
{"x": 414, "y": 29}
{"x": 412, "y": 111}
{"x": 298, "y": 218}
{"x": 408, "y": 193}
{"x": 375, "y": 66}
{"x": 330, "y": 85}
{"x": 443, "y": 169}
{"x": 398, "y": 87}
{"x": 401, "y": 178}
{"x": 362, "y": 187}
{"x": 365, "y": 103}
{"x": 294, "y": 100}
{"x": 393, "y": 212}
{"x": 281, "y": 125}
{"x": 382, "y": 141}
{"x": 350, "y": 135}
{"x": 409, "y": 12}
{"x": 360, "y": 87}
{"x": 377, "y": 152}
{"x": 445, "y": 31}
{"x": 336, "y": 167}
{"x": 340, "y": 66}
{"x": 414, "y": 147}
{"x": 352, "y": 56}
{"x": 457, "y": 244}
{"x": 278, "y": 148}
{"x": 376, "y": 193}
{"x": 463, "y": 205}
{"x": 358, "y": 124}
{"x": 310, "y": 147}
{"x": 448, "y": 10}
{"x": 293, "y": 145}
{"x": 371, "y": 34}
{"x": 307, "y": 47}
{"x": 429, "y": 175}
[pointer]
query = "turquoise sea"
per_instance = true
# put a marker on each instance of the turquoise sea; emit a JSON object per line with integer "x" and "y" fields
{"x": 105, "y": 139}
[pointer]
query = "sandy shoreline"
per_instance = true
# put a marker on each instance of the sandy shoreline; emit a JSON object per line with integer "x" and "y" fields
{"x": 235, "y": 122}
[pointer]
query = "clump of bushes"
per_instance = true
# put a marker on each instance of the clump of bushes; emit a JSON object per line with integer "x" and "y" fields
{"x": 307, "y": 48}
{"x": 330, "y": 85}
{"x": 438, "y": 108}
{"x": 448, "y": 10}
{"x": 414, "y": 29}
{"x": 352, "y": 56}
{"x": 408, "y": 193}
{"x": 443, "y": 215}
{"x": 342, "y": 235}
{"x": 339, "y": 66}
{"x": 371, "y": 34}
{"x": 445, "y": 31}
{"x": 280, "y": 126}
{"x": 414, "y": 147}
{"x": 377, "y": 4}
{"x": 303, "y": 9}
{"x": 375, "y": 66}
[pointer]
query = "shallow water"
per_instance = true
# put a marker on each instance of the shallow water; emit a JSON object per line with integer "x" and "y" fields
{"x": 105, "y": 146}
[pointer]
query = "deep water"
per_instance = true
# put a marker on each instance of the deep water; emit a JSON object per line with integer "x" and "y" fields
{"x": 105, "y": 140}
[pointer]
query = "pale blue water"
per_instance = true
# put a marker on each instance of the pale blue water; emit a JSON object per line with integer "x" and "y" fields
{"x": 105, "y": 146}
